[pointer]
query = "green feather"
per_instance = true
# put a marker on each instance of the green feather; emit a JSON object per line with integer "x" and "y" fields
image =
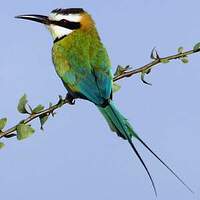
{"x": 117, "y": 122}
{"x": 82, "y": 62}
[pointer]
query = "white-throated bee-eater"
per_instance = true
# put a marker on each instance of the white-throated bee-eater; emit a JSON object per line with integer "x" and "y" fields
{"x": 82, "y": 63}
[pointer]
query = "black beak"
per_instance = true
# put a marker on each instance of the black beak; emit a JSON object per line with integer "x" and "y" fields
{"x": 36, "y": 18}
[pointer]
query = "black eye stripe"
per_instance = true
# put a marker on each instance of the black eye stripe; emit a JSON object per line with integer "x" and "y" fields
{"x": 67, "y": 24}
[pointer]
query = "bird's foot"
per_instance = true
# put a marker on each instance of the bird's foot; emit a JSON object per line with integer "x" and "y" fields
{"x": 70, "y": 99}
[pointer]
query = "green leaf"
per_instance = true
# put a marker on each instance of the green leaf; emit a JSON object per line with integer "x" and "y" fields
{"x": 22, "y": 104}
{"x": 3, "y": 122}
{"x": 116, "y": 87}
{"x": 196, "y": 47}
{"x": 24, "y": 131}
{"x": 185, "y": 60}
{"x": 38, "y": 109}
{"x": 2, "y": 145}
{"x": 180, "y": 50}
{"x": 43, "y": 120}
{"x": 164, "y": 61}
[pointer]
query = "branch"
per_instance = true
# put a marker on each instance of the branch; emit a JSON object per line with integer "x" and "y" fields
{"x": 156, "y": 60}
{"x": 119, "y": 74}
{"x": 47, "y": 112}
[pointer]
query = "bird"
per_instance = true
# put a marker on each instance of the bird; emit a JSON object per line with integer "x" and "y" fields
{"x": 82, "y": 63}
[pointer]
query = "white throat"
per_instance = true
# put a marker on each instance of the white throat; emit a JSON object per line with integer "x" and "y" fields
{"x": 58, "y": 32}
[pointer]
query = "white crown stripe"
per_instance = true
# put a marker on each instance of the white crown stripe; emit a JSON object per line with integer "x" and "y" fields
{"x": 70, "y": 17}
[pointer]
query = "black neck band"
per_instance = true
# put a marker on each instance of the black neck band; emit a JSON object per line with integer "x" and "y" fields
{"x": 58, "y": 39}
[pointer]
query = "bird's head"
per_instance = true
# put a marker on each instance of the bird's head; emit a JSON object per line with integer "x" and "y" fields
{"x": 62, "y": 22}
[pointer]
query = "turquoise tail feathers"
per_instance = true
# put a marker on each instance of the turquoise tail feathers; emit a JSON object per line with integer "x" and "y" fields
{"x": 119, "y": 124}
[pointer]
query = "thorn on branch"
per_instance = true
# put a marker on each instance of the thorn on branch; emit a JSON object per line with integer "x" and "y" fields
{"x": 148, "y": 71}
{"x": 121, "y": 70}
{"x": 60, "y": 99}
{"x": 154, "y": 54}
{"x": 52, "y": 113}
{"x": 142, "y": 77}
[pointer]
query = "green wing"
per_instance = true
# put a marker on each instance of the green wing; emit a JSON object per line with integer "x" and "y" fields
{"x": 86, "y": 72}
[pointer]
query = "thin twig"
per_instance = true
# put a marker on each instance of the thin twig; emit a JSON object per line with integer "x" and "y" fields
{"x": 152, "y": 64}
{"x": 31, "y": 117}
{"x": 125, "y": 74}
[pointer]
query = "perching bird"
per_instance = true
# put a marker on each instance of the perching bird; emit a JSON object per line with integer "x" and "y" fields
{"x": 82, "y": 63}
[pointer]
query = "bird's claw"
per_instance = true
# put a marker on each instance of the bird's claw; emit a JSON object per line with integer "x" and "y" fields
{"x": 70, "y": 99}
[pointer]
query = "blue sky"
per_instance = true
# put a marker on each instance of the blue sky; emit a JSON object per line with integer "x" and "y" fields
{"x": 77, "y": 156}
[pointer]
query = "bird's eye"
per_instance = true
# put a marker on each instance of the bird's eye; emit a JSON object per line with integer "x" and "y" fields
{"x": 64, "y": 21}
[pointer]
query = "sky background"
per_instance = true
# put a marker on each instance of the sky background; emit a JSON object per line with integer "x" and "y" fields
{"x": 77, "y": 156}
